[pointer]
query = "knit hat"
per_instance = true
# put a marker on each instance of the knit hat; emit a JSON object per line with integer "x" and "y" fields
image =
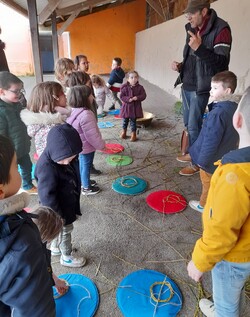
{"x": 196, "y": 5}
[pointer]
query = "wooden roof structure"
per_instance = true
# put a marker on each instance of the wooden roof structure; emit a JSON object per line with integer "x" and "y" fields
{"x": 48, "y": 13}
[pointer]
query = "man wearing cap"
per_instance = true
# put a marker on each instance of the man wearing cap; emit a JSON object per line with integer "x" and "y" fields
{"x": 206, "y": 52}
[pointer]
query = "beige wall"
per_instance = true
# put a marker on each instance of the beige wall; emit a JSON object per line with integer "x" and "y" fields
{"x": 157, "y": 47}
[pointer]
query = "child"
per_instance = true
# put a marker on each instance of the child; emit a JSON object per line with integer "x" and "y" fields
{"x": 79, "y": 78}
{"x": 81, "y": 63}
{"x": 50, "y": 224}
{"x": 47, "y": 107}
{"x": 224, "y": 247}
{"x": 132, "y": 94}
{"x": 11, "y": 125}
{"x": 26, "y": 284}
{"x": 217, "y": 136}
{"x": 84, "y": 121}
{"x": 115, "y": 80}
{"x": 100, "y": 92}
{"x": 59, "y": 187}
{"x": 63, "y": 66}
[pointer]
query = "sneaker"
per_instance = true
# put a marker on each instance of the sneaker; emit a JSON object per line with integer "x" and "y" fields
{"x": 69, "y": 260}
{"x": 55, "y": 251}
{"x": 112, "y": 107}
{"x": 195, "y": 205}
{"x": 91, "y": 191}
{"x": 94, "y": 171}
{"x": 31, "y": 191}
{"x": 184, "y": 158}
{"x": 93, "y": 182}
{"x": 207, "y": 307}
{"x": 189, "y": 170}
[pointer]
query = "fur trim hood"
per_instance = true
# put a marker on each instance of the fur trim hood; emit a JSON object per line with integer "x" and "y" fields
{"x": 42, "y": 118}
{"x": 232, "y": 98}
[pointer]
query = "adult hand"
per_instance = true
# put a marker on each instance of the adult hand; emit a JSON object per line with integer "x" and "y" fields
{"x": 194, "y": 40}
{"x": 176, "y": 66}
{"x": 193, "y": 272}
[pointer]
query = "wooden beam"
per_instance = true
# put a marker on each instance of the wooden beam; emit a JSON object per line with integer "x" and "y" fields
{"x": 82, "y": 6}
{"x": 54, "y": 37}
{"x": 68, "y": 21}
{"x": 157, "y": 8}
{"x": 48, "y": 10}
{"x": 32, "y": 10}
{"x": 11, "y": 4}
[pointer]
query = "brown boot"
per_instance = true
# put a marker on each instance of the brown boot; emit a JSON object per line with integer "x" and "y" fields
{"x": 123, "y": 134}
{"x": 133, "y": 137}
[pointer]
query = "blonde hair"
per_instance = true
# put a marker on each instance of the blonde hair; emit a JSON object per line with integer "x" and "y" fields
{"x": 43, "y": 97}
{"x": 63, "y": 66}
{"x": 49, "y": 223}
{"x": 96, "y": 79}
{"x": 132, "y": 72}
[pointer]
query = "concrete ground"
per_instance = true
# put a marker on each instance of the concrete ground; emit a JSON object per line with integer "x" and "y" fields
{"x": 120, "y": 234}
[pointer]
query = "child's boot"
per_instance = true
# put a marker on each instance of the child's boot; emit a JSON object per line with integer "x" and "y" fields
{"x": 123, "y": 134}
{"x": 133, "y": 137}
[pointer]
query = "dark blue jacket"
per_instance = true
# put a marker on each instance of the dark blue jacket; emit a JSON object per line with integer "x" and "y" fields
{"x": 25, "y": 281}
{"x": 217, "y": 136}
{"x": 198, "y": 67}
{"x": 59, "y": 186}
{"x": 116, "y": 76}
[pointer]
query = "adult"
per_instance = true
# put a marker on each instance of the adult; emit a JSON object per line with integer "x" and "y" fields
{"x": 3, "y": 61}
{"x": 206, "y": 52}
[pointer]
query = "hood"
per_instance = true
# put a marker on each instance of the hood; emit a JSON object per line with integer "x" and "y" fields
{"x": 232, "y": 98}
{"x": 41, "y": 118}
{"x": 9, "y": 206}
{"x": 67, "y": 140}
{"x": 237, "y": 156}
{"x": 14, "y": 203}
{"x": 74, "y": 114}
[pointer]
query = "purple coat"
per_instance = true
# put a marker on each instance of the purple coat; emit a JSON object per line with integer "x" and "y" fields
{"x": 132, "y": 109}
{"x": 84, "y": 121}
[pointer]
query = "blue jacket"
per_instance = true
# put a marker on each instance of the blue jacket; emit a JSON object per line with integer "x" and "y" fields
{"x": 217, "y": 136}
{"x": 116, "y": 79}
{"x": 59, "y": 186}
{"x": 25, "y": 281}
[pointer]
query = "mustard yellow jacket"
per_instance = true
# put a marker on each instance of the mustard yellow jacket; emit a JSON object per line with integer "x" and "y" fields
{"x": 226, "y": 216}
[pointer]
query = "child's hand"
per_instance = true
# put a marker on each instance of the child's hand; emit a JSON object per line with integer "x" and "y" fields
{"x": 193, "y": 272}
{"x": 131, "y": 99}
{"x": 61, "y": 286}
{"x": 134, "y": 98}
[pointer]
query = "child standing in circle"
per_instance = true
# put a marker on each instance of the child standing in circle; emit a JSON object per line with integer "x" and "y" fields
{"x": 84, "y": 121}
{"x": 59, "y": 187}
{"x": 11, "y": 125}
{"x": 132, "y": 94}
{"x": 46, "y": 108}
{"x": 101, "y": 91}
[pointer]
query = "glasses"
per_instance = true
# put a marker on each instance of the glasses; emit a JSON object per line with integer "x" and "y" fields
{"x": 17, "y": 92}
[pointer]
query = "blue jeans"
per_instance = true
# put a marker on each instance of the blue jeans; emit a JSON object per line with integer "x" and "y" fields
{"x": 86, "y": 161}
{"x": 228, "y": 287}
{"x": 125, "y": 123}
{"x": 25, "y": 168}
{"x": 193, "y": 110}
